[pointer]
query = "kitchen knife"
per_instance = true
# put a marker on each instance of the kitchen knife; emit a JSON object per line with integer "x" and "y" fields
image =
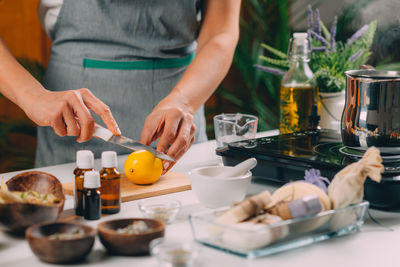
{"x": 120, "y": 140}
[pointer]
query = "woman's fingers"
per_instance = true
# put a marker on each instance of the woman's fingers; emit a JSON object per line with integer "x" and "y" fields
{"x": 54, "y": 118}
{"x": 149, "y": 133}
{"x": 73, "y": 128}
{"x": 101, "y": 109}
{"x": 182, "y": 140}
{"x": 168, "y": 165}
{"x": 173, "y": 122}
{"x": 58, "y": 125}
{"x": 84, "y": 117}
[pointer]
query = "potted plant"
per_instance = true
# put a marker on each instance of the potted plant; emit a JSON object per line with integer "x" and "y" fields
{"x": 329, "y": 60}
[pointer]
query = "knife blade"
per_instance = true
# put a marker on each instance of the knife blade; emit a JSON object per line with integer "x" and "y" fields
{"x": 126, "y": 142}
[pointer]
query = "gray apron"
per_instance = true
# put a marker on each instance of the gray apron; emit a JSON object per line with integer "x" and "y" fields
{"x": 129, "y": 53}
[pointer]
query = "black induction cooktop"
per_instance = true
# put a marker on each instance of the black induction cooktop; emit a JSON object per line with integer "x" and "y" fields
{"x": 284, "y": 158}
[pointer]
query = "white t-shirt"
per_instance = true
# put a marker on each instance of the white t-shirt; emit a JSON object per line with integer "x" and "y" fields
{"x": 48, "y": 11}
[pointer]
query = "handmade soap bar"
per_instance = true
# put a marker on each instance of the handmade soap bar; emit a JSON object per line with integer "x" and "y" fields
{"x": 298, "y": 190}
{"x": 242, "y": 211}
{"x": 307, "y": 205}
{"x": 255, "y": 233}
{"x": 247, "y": 208}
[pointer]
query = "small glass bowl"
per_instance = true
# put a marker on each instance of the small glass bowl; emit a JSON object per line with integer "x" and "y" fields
{"x": 161, "y": 209}
{"x": 174, "y": 253}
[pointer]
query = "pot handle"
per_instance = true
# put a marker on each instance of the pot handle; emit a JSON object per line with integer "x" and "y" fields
{"x": 366, "y": 67}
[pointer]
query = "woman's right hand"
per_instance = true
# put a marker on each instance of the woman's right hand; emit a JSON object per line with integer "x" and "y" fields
{"x": 67, "y": 112}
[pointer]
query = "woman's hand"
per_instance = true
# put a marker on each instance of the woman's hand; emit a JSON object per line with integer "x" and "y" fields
{"x": 67, "y": 112}
{"x": 171, "y": 121}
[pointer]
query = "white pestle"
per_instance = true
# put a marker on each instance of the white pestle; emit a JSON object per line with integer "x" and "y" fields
{"x": 240, "y": 169}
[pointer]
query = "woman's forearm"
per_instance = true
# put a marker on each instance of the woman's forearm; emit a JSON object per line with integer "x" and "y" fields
{"x": 206, "y": 72}
{"x": 16, "y": 83}
{"x": 216, "y": 45}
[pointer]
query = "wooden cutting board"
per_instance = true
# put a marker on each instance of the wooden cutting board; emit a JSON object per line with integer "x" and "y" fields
{"x": 171, "y": 182}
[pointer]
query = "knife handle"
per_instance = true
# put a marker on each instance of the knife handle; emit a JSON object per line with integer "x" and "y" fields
{"x": 102, "y": 133}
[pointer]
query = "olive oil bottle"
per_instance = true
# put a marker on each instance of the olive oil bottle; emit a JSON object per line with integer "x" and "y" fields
{"x": 298, "y": 92}
{"x": 84, "y": 163}
{"x": 110, "y": 179}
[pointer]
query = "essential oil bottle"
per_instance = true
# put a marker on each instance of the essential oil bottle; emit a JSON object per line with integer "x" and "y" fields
{"x": 84, "y": 163}
{"x": 110, "y": 179}
{"x": 92, "y": 196}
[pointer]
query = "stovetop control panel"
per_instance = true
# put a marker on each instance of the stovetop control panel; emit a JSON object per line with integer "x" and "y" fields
{"x": 310, "y": 149}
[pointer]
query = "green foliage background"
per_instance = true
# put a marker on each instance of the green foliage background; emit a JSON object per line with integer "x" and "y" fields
{"x": 253, "y": 91}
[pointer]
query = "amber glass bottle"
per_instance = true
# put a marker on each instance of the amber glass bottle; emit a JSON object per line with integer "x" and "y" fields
{"x": 84, "y": 163}
{"x": 110, "y": 179}
{"x": 91, "y": 196}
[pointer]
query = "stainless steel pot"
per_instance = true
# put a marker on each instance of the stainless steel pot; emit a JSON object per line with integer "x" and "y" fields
{"x": 371, "y": 116}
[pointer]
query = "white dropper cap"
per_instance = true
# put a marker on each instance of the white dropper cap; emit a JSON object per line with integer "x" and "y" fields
{"x": 109, "y": 159}
{"x": 92, "y": 179}
{"x": 84, "y": 159}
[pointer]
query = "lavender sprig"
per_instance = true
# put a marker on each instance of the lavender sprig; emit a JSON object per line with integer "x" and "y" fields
{"x": 333, "y": 34}
{"x": 355, "y": 56}
{"x": 319, "y": 38}
{"x": 357, "y": 35}
{"x": 317, "y": 22}
{"x": 310, "y": 17}
{"x": 270, "y": 70}
{"x": 318, "y": 48}
{"x": 313, "y": 176}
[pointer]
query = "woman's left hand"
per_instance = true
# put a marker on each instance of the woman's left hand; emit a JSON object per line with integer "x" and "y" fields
{"x": 171, "y": 121}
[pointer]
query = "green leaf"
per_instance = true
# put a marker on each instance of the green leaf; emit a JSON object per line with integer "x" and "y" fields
{"x": 274, "y": 51}
{"x": 273, "y": 61}
{"x": 325, "y": 31}
{"x": 369, "y": 34}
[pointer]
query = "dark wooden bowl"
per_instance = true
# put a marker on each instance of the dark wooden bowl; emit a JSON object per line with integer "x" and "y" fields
{"x": 128, "y": 244}
{"x": 16, "y": 217}
{"x": 60, "y": 251}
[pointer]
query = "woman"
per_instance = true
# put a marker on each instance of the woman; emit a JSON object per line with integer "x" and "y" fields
{"x": 151, "y": 63}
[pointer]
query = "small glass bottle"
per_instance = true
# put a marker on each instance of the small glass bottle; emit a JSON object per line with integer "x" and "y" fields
{"x": 110, "y": 179}
{"x": 92, "y": 196}
{"x": 84, "y": 163}
{"x": 298, "y": 91}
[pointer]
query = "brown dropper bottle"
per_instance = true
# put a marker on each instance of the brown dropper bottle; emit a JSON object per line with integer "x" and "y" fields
{"x": 84, "y": 163}
{"x": 91, "y": 196}
{"x": 110, "y": 179}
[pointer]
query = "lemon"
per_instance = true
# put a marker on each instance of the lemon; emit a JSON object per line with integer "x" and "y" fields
{"x": 142, "y": 167}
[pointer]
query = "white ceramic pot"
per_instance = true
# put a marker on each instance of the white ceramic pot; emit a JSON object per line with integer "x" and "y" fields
{"x": 331, "y": 109}
{"x": 215, "y": 192}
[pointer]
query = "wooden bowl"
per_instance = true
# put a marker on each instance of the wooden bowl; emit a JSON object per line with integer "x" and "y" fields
{"x": 128, "y": 244}
{"x": 16, "y": 217}
{"x": 60, "y": 251}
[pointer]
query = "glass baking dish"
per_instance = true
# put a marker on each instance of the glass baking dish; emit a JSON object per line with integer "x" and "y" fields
{"x": 274, "y": 238}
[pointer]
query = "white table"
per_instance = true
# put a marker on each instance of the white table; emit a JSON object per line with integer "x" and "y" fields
{"x": 373, "y": 246}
